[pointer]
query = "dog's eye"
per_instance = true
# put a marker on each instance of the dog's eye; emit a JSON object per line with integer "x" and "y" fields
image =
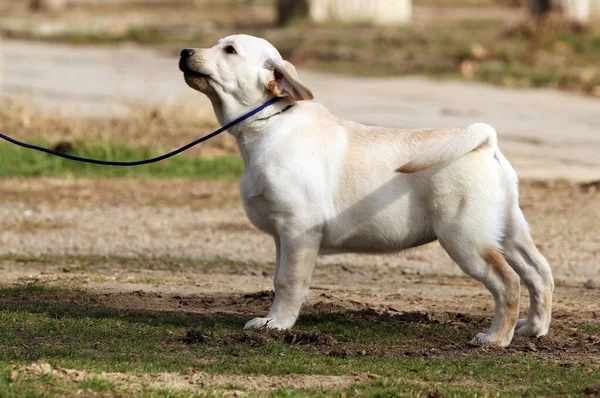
{"x": 230, "y": 50}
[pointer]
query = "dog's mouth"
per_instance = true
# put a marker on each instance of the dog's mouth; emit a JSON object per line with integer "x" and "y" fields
{"x": 191, "y": 73}
{"x": 195, "y": 74}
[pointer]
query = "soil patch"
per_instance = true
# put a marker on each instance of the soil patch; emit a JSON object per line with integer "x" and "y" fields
{"x": 431, "y": 334}
{"x": 196, "y": 382}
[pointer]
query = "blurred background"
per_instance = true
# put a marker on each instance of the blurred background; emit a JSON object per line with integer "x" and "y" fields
{"x": 100, "y": 79}
{"x": 116, "y": 59}
{"x": 522, "y": 43}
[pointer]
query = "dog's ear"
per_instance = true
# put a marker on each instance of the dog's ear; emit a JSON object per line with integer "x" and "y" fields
{"x": 284, "y": 82}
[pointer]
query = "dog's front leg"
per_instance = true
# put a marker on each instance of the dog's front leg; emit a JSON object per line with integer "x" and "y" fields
{"x": 296, "y": 257}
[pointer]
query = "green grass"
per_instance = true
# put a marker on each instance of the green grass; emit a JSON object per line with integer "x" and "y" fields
{"x": 590, "y": 327}
{"x": 147, "y": 36}
{"x": 21, "y": 162}
{"x": 73, "y": 329}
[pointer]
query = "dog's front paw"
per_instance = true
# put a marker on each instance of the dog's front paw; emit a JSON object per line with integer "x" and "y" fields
{"x": 263, "y": 323}
{"x": 258, "y": 323}
{"x": 530, "y": 329}
{"x": 485, "y": 339}
{"x": 270, "y": 323}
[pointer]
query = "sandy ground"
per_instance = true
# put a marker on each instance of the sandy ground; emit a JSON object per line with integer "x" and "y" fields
{"x": 545, "y": 134}
{"x": 205, "y": 220}
{"x": 197, "y": 382}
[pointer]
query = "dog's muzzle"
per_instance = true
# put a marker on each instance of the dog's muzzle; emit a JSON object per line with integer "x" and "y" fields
{"x": 184, "y": 63}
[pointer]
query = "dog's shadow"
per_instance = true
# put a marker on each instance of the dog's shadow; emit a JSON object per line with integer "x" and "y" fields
{"x": 56, "y": 317}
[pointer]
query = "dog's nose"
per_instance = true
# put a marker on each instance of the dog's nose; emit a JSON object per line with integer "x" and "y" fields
{"x": 187, "y": 52}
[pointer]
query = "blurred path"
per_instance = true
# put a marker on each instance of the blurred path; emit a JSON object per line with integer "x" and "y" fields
{"x": 545, "y": 134}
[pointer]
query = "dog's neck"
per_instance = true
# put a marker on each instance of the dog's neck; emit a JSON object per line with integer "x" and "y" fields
{"x": 226, "y": 113}
{"x": 249, "y": 133}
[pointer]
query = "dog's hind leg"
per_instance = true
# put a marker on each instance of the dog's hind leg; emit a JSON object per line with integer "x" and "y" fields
{"x": 533, "y": 268}
{"x": 486, "y": 264}
{"x": 296, "y": 257}
{"x": 524, "y": 257}
{"x": 468, "y": 228}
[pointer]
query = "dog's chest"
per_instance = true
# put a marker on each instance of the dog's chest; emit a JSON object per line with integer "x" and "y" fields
{"x": 258, "y": 207}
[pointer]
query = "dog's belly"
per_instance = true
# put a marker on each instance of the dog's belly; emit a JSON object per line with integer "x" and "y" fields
{"x": 368, "y": 242}
{"x": 378, "y": 227}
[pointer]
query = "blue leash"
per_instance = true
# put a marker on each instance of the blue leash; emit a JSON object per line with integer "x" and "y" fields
{"x": 146, "y": 161}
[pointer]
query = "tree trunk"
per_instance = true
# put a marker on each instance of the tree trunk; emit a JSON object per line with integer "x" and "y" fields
{"x": 580, "y": 11}
{"x": 378, "y": 12}
{"x": 538, "y": 7}
{"x": 288, "y": 10}
{"x": 47, "y": 5}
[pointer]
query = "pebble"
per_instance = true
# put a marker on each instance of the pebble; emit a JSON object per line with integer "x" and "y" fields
{"x": 590, "y": 284}
{"x": 530, "y": 347}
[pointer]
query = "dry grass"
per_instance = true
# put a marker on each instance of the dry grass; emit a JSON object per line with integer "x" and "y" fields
{"x": 166, "y": 126}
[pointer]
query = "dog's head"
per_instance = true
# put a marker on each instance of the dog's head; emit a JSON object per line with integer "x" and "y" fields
{"x": 241, "y": 69}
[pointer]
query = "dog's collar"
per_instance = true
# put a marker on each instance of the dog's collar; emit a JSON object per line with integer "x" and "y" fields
{"x": 287, "y": 108}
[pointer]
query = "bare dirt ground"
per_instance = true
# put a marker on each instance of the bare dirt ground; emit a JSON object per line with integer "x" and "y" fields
{"x": 197, "y": 382}
{"x": 204, "y": 220}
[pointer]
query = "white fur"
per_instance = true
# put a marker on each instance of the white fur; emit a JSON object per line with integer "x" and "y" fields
{"x": 476, "y": 136}
{"x": 320, "y": 185}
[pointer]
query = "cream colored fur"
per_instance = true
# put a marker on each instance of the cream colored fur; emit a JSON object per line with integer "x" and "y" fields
{"x": 319, "y": 185}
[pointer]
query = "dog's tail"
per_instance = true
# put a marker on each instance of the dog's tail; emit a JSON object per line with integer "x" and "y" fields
{"x": 479, "y": 135}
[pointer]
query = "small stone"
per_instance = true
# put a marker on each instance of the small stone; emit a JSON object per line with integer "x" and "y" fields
{"x": 530, "y": 347}
{"x": 590, "y": 284}
{"x": 46, "y": 368}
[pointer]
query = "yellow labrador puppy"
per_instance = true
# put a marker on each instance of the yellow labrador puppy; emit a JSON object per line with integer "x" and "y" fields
{"x": 320, "y": 185}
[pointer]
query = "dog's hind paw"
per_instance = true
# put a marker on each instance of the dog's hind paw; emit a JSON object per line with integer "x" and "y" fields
{"x": 260, "y": 323}
{"x": 530, "y": 329}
